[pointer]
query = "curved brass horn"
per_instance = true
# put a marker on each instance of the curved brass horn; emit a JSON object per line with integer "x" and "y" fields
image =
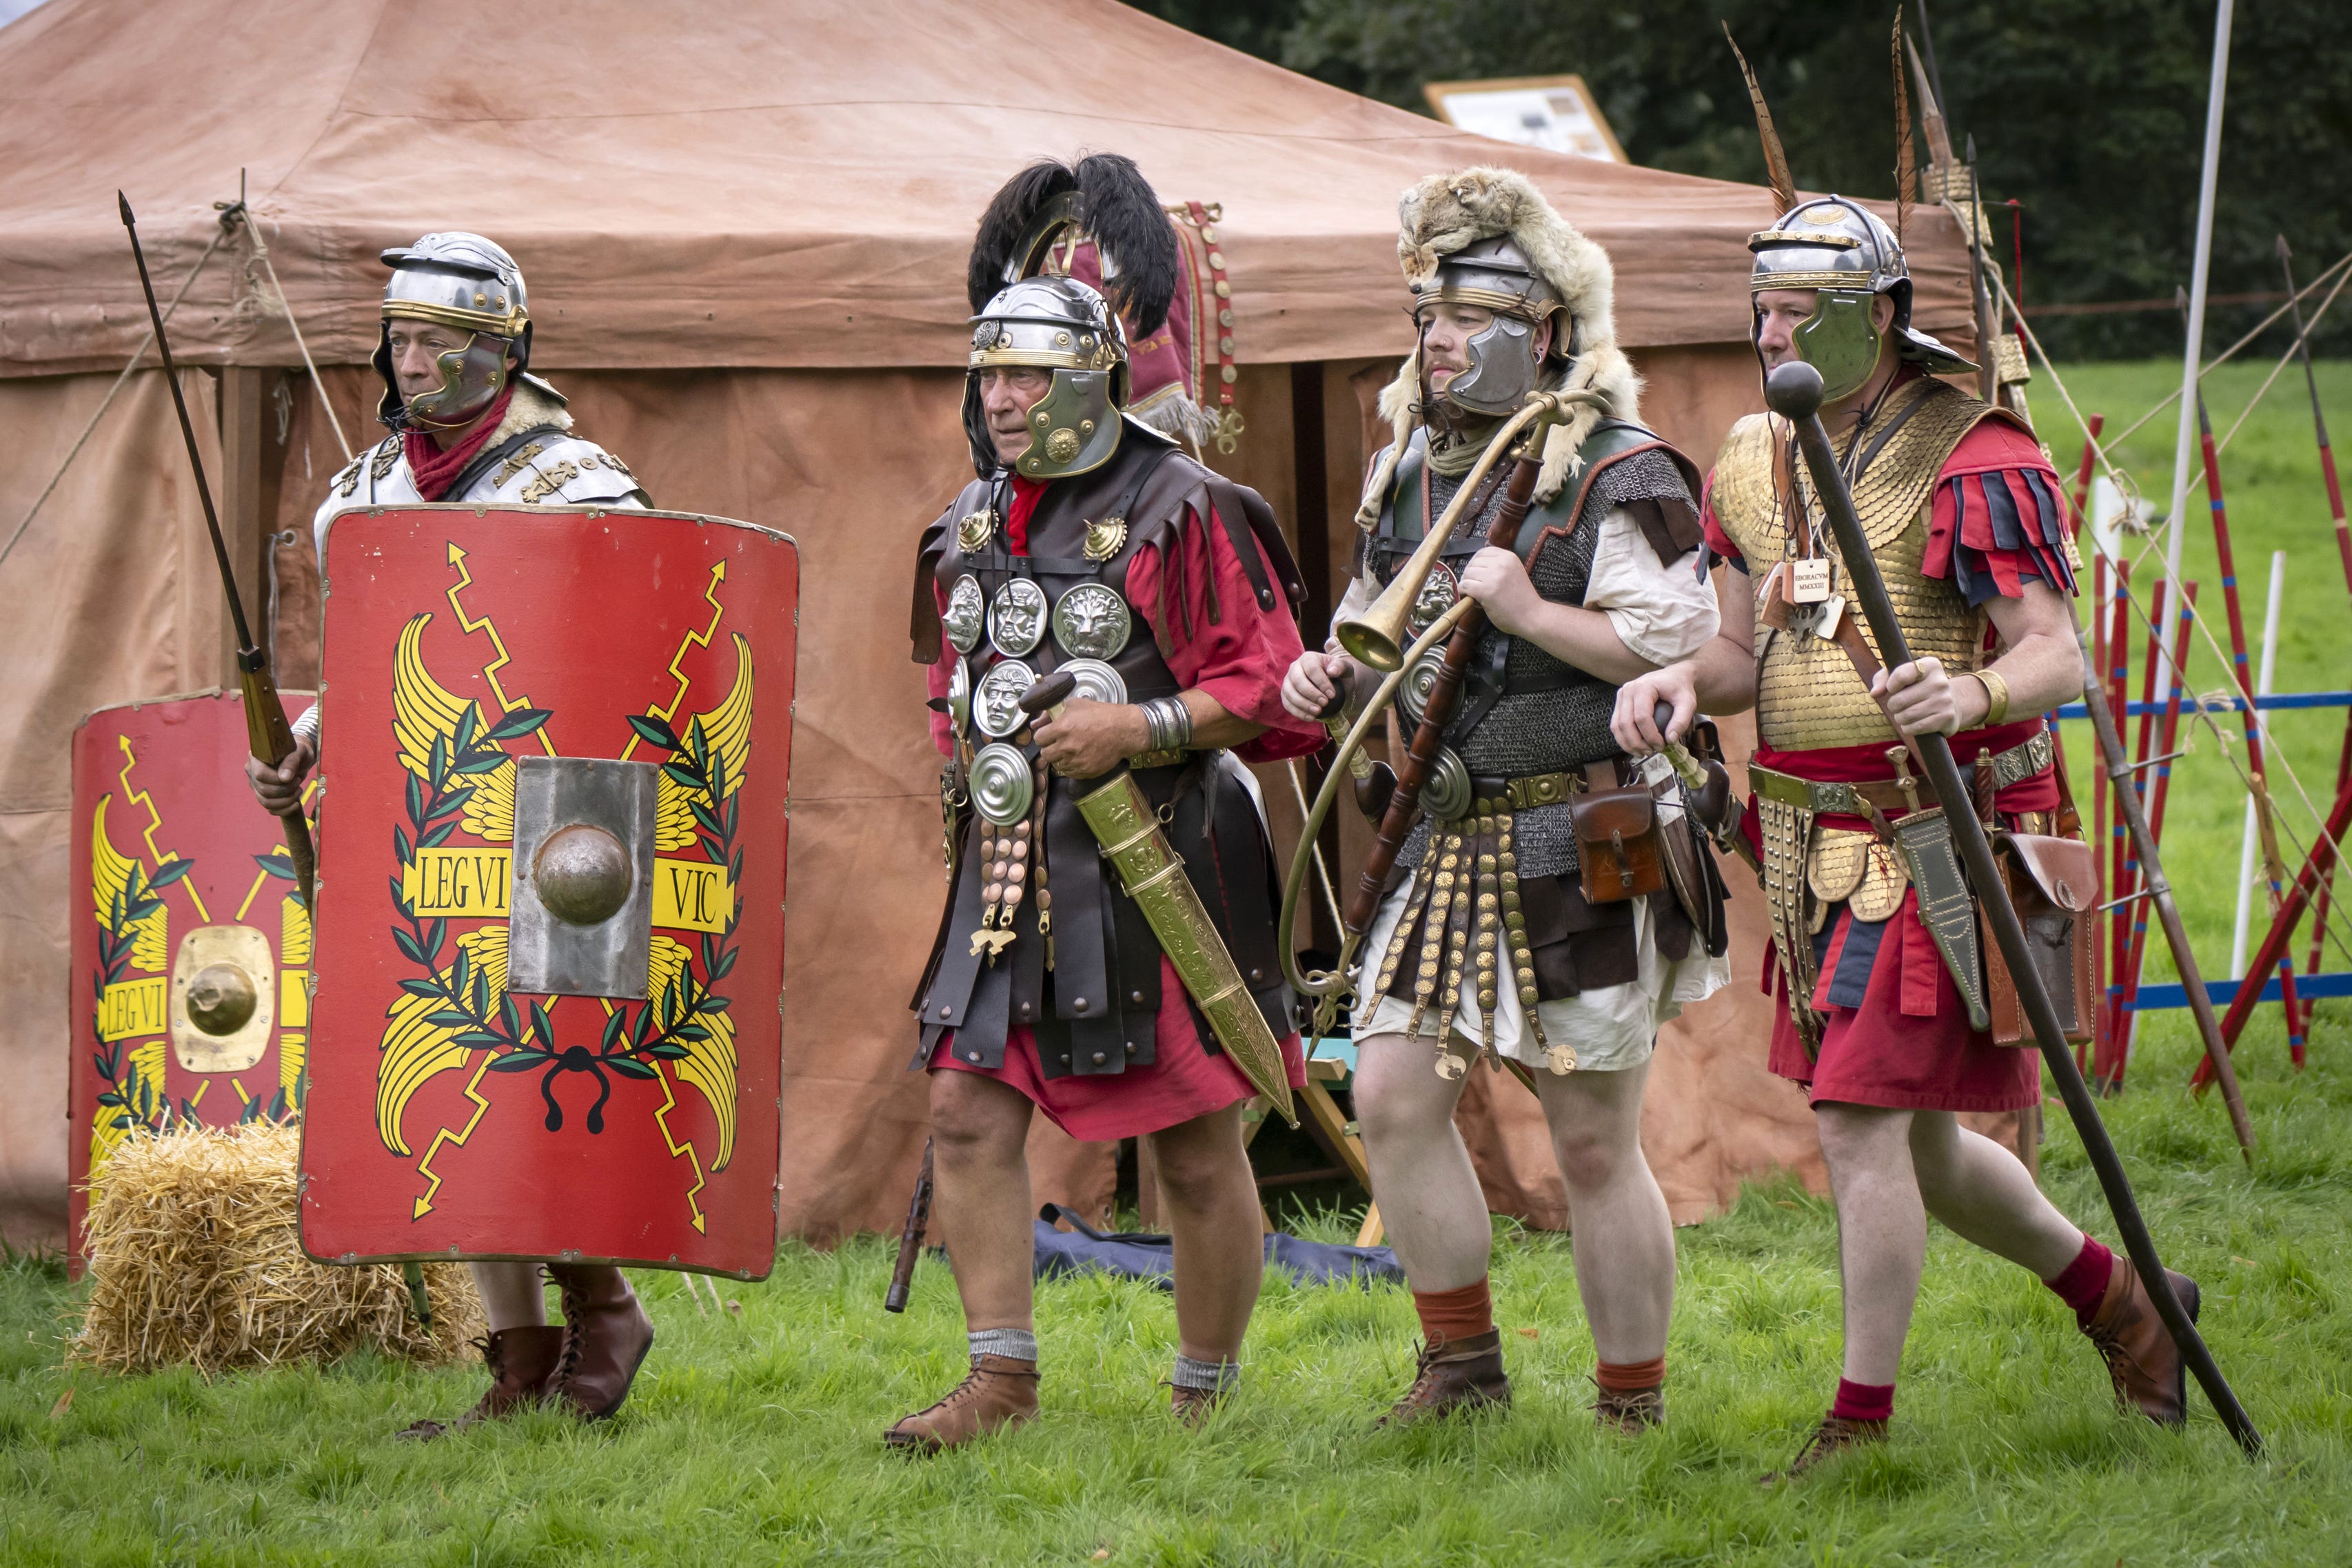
{"x": 1377, "y": 637}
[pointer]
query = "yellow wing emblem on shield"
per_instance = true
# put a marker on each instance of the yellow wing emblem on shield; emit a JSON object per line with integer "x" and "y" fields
{"x": 115, "y": 877}
{"x": 708, "y": 1063}
{"x": 728, "y": 729}
{"x": 421, "y": 1038}
{"x": 424, "y": 711}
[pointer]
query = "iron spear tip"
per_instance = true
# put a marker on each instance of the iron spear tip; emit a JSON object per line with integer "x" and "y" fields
{"x": 124, "y": 203}
{"x": 2285, "y": 254}
{"x": 1794, "y": 390}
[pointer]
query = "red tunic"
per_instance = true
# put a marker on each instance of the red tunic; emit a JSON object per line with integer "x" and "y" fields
{"x": 1895, "y": 1033}
{"x": 1240, "y": 660}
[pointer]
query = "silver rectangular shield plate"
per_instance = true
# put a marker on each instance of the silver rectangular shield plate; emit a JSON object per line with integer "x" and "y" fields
{"x": 551, "y": 955}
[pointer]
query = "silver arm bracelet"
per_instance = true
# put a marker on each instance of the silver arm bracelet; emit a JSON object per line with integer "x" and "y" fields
{"x": 1168, "y": 722}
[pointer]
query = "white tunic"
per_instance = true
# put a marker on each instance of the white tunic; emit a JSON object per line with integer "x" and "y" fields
{"x": 1662, "y": 612}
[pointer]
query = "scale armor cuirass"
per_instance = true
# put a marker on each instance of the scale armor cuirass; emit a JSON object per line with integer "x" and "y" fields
{"x": 1807, "y": 695}
{"x": 1095, "y": 1010}
{"x": 1523, "y": 710}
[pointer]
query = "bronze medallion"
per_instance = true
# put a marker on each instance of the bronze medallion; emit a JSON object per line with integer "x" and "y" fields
{"x": 996, "y": 703}
{"x": 1062, "y": 447}
{"x": 974, "y": 531}
{"x": 1103, "y": 539}
{"x": 1016, "y": 618}
{"x": 966, "y": 613}
{"x": 1091, "y": 620}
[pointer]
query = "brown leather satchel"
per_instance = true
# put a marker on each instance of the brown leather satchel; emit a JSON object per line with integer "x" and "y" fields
{"x": 2053, "y": 882}
{"x": 1618, "y": 852}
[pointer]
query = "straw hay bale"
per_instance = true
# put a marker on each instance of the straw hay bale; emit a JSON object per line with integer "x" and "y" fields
{"x": 193, "y": 1259}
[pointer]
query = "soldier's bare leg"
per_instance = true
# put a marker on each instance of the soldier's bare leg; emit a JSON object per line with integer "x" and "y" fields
{"x": 513, "y": 1295}
{"x": 1212, "y": 1217}
{"x": 981, "y": 1208}
{"x": 1985, "y": 1195}
{"x": 1882, "y": 1232}
{"x": 1430, "y": 1200}
{"x": 980, "y": 1133}
{"x": 1621, "y": 1234}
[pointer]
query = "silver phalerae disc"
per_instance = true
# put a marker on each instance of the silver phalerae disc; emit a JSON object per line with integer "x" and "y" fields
{"x": 1016, "y": 618}
{"x": 966, "y": 614}
{"x": 959, "y": 697}
{"x": 1002, "y": 787}
{"x": 1097, "y": 681}
{"x": 1413, "y": 692}
{"x": 1445, "y": 792}
{"x": 996, "y": 703}
{"x": 1437, "y": 595}
{"x": 1092, "y": 621}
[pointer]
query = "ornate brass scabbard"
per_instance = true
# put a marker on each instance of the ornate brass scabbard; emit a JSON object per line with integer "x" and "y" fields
{"x": 1152, "y": 873}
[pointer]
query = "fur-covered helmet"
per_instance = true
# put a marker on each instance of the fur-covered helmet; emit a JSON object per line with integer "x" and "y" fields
{"x": 1487, "y": 237}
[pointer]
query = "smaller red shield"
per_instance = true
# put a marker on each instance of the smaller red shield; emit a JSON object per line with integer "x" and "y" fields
{"x": 191, "y": 950}
{"x": 557, "y": 749}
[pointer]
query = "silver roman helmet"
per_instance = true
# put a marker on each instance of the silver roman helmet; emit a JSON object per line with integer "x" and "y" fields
{"x": 1060, "y": 325}
{"x": 1494, "y": 273}
{"x": 470, "y": 286}
{"x": 1849, "y": 258}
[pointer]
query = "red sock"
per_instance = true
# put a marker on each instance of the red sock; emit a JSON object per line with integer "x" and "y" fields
{"x": 1863, "y": 1401}
{"x": 2083, "y": 1284}
{"x": 1456, "y": 1315}
{"x": 1631, "y": 1377}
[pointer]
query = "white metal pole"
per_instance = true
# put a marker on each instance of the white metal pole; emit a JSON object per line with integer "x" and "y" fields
{"x": 2194, "y": 352}
{"x": 2246, "y": 869}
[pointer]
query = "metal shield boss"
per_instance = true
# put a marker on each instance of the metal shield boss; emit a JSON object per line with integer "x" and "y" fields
{"x": 551, "y": 888}
{"x": 191, "y": 951}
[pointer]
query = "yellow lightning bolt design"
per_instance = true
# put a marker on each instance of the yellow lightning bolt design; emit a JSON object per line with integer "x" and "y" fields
{"x": 425, "y": 1166}
{"x": 661, "y": 1119}
{"x": 154, "y": 823}
{"x": 483, "y": 623}
{"x": 691, "y": 639}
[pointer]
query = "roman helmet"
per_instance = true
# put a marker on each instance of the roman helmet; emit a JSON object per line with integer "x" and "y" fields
{"x": 1848, "y": 257}
{"x": 470, "y": 285}
{"x": 1023, "y": 317}
{"x": 1495, "y": 274}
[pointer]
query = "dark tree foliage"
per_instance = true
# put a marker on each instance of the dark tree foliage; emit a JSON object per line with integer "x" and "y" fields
{"x": 2090, "y": 115}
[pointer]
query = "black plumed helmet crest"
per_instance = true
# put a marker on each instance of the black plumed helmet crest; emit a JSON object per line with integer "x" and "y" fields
{"x": 1106, "y": 196}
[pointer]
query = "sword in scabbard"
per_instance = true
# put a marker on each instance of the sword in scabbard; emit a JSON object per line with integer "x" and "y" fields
{"x": 267, "y": 731}
{"x": 1794, "y": 392}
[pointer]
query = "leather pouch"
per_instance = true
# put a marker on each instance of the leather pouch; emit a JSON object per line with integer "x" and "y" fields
{"x": 2054, "y": 885}
{"x": 1618, "y": 852}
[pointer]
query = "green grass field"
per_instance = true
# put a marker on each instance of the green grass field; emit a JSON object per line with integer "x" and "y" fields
{"x": 752, "y": 1435}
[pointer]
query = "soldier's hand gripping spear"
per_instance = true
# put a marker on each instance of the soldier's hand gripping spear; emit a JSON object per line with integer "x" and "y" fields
{"x": 267, "y": 731}
{"x": 1794, "y": 392}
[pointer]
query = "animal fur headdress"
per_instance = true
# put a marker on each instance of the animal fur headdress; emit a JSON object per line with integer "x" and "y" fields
{"x": 1445, "y": 212}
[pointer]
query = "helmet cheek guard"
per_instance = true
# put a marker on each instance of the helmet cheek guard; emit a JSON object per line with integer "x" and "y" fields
{"x": 472, "y": 376}
{"x": 1840, "y": 340}
{"x": 1501, "y": 370}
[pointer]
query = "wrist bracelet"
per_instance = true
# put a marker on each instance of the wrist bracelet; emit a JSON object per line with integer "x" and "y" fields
{"x": 1167, "y": 722}
{"x": 1996, "y": 697}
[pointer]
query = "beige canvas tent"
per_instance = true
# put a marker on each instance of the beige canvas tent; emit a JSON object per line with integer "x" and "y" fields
{"x": 745, "y": 229}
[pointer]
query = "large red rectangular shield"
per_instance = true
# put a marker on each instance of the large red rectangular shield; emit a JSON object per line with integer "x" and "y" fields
{"x": 556, "y": 748}
{"x": 191, "y": 952}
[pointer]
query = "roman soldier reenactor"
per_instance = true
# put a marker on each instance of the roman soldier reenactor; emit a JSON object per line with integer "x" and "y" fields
{"x": 1967, "y": 525}
{"x": 470, "y": 423}
{"x": 1091, "y": 555}
{"x": 1496, "y": 938}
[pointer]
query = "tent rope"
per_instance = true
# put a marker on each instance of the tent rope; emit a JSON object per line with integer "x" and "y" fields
{"x": 145, "y": 343}
{"x": 261, "y": 250}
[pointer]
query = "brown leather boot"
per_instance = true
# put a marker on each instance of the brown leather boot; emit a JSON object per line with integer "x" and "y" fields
{"x": 1836, "y": 1435}
{"x": 1453, "y": 1376}
{"x": 1630, "y": 1411}
{"x": 520, "y": 1360}
{"x": 606, "y": 1336}
{"x": 998, "y": 1394}
{"x": 2143, "y": 1362}
{"x": 1191, "y": 1406}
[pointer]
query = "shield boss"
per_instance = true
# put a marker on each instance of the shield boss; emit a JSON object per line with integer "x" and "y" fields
{"x": 582, "y": 874}
{"x": 221, "y": 998}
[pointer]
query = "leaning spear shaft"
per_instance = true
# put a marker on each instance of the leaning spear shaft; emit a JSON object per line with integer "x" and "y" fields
{"x": 265, "y": 729}
{"x": 1794, "y": 390}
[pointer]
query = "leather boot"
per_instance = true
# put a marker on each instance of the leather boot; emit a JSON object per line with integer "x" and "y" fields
{"x": 520, "y": 1362}
{"x": 998, "y": 1394}
{"x": 1836, "y": 1435}
{"x": 1191, "y": 1406}
{"x": 606, "y": 1336}
{"x": 2142, "y": 1360}
{"x": 1630, "y": 1411}
{"x": 1453, "y": 1376}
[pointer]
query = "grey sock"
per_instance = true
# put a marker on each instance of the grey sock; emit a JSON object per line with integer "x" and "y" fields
{"x": 1020, "y": 1345}
{"x": 1215, "y": 1376}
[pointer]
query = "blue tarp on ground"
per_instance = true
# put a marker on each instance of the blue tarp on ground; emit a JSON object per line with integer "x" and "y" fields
{"x": 1137, "y": 1255}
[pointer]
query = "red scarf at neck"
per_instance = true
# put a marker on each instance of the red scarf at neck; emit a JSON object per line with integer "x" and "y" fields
{"x": 433, "y": 469}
